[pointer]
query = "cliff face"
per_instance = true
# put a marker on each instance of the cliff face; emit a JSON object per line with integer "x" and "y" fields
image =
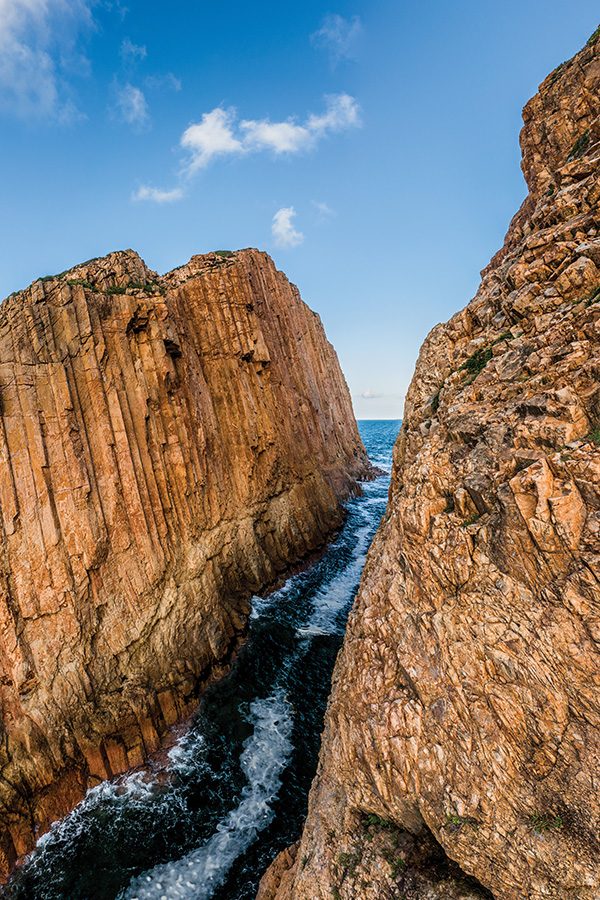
{"x": 466, "y": 703}
{"x": 167, "y": 447}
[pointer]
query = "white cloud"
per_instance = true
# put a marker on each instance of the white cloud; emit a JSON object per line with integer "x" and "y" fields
{"x": 157, "y": 195}
{"x": 282, "y": 229}
{"x": 338, "y": 36}
{"x": 212, "y": 136}
{"x": 219, "y": 134}
{"x": 37, "y": 40}
{"x": 281, "y": 137}
{"x": 342, "y": 112}
{"x": 371, "y": 395}
{"x": 132, "y": 53}
{"x": 132, "y": 106}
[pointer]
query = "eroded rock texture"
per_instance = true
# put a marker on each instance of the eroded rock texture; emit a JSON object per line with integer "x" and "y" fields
{"x": 167, "y": 447}
{"x": 466, "y": 700}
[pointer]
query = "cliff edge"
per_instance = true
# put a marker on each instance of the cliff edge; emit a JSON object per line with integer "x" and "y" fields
{"x": 168, "y": 446}
{"x": 462, "y": 738}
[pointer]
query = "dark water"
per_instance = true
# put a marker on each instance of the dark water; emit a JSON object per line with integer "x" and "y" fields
{"x": 237, "y": 784}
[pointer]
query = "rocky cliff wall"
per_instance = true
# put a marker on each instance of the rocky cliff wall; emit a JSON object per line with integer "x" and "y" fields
{"x": 167, "y": 447}
{"x": 466, "y": 706}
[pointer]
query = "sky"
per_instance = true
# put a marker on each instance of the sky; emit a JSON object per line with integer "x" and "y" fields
{"x": 370, "y": 147}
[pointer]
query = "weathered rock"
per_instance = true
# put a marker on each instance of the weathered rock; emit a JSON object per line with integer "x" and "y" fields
{"x": 167, "y": 447}
{"x": 466, "y": 699}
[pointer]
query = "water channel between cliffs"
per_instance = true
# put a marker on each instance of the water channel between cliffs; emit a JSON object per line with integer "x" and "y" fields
{"x": 234, "y": 788}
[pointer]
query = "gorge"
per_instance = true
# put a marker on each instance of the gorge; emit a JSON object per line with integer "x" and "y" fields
{"x": 190, "y": 513}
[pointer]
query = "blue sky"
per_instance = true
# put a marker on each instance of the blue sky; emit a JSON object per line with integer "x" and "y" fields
{"x": 371, "y": 148}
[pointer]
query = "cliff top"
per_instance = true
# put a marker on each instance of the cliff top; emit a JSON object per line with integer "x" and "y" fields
{"x": 124, "y": 271}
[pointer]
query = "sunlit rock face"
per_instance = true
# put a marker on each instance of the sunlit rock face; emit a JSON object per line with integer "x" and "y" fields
{"x": 466, "y": 702}
{"x": 168, "y": 445}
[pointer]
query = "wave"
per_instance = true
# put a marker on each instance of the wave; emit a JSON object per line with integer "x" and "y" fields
{"x": 263, "y": 760}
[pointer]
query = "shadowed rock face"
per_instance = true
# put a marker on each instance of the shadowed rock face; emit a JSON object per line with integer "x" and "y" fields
{"x": 466, "y": 700}
{"x": 167, "y": 447}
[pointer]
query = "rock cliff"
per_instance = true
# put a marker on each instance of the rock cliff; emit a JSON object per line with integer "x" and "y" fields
{"x": 465, "y": 710}
{"x": 168, "y": 445}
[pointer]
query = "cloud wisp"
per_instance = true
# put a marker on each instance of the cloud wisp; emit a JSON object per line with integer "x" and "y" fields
{"x": 324, "y": 210}
{"x": 132, "y": 53}
{"x": 220, "y": 134}
{"x": 282, "y": 228}
{"x": 37, "y": 43}
{"x": 157, "y": 195}
{"x": 131, "y": 106}
{"x": 338, "y": 37}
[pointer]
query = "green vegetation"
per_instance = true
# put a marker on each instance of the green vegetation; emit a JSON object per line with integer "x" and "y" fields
{"x": 349, "y": 861}
{"x": 593, "y": 37}
{"x": 397, "y": 863}
{"x": 471, "y": 520}
{"x": 88, "y": 262}
{"x": 542, "y": 822}
{"x": 378, "y": 822}
{"x": 435, "y": 403}
{"x": 224, "y": 253}
{"x": 593, "y": 298}
{"x": 336, "y": 894}
{"x": 123, "y": 288}
{"x": 477, "y": 362}
{"x": 594, "y": 435}
{"x": 579, "y": 147}
{"x": 455, "y": 822}
{"x": 74, "y": 282}
{"x": 556, "y": 73}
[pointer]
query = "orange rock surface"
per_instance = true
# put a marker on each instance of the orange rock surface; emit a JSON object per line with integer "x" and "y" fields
{"x": 167, "y": 447}
{"x": 466, "y": 699}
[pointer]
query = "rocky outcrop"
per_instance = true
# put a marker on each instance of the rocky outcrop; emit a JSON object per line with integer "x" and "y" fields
{"x": 466, "y": 701}
{"x": 167, "y": 447}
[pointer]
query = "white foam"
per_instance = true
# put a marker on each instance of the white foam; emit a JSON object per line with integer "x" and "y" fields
{"x": 334, "y": 596}
{"x": 263, "y": 760}
{"x": 185, "y": 755}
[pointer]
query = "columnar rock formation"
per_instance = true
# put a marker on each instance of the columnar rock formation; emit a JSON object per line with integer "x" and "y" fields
{"x": 167, "y": 447}
{"x": 466, "y": 699}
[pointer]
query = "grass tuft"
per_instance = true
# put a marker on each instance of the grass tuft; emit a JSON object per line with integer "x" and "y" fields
{"x": 471, "y": 520}
{"x": 543, "y": 822}
{"x": 477, "y": 362}
{"x": 579, "y": 147}
{"x": 456, "y": 822}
